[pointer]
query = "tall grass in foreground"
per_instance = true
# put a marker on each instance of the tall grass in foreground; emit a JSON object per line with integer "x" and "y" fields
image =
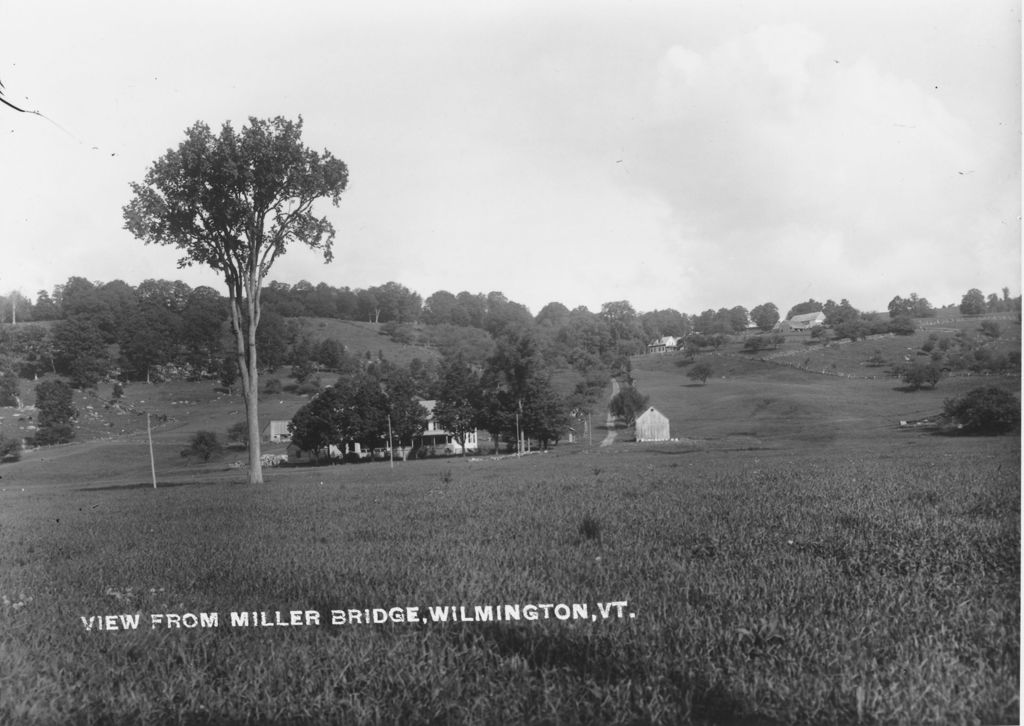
{"x": 843, "y": 591}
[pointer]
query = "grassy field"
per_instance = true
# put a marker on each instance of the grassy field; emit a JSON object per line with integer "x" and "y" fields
{"x": 361, "y": 338}
{"x": 793, "y": 558}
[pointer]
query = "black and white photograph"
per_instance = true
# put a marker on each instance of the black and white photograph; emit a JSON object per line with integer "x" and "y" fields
{"x": 612, "y": 362}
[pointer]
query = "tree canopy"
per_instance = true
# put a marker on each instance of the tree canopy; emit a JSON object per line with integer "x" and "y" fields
{"x": 235, "y": 201}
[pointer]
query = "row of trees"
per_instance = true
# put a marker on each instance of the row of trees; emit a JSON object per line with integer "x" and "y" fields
{"x": 509, "y": 395}
{"x": 162, "y": 322}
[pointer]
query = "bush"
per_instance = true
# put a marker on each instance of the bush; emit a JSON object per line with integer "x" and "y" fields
{"x": 238, "y": 433}
{"x": 273, "y": 385}
{"x": 755, "y": 343}
{"x": 991, "y": 329}
{"x": 920, "y": 374}
{"x": 58, "y": 433}
{"x": 303, "y": 370}
{"x": 56, "y": 413}
{"x": 988, "y": 410}
{"x": 203, "y": 445}
{"x": 700, "y": 372}
{"x": 8, "y": 388}
{"x": 902, "y": 325}
{"x": 627, "y": 404}
{"x": 10, "y": 451}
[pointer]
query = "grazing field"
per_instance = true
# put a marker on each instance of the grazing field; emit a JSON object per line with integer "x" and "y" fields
{"x": 873, "y": 582}
{"x": 361, "y": 338}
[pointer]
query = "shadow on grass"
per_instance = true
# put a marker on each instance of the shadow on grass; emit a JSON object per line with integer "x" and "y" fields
{"x": 601, "y": 661}
{"x": 159, "y": 485}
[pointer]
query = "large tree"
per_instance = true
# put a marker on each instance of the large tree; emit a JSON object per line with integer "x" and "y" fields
{"x": 973, "y": 302}
{"x": 458, "y": 407}
{"x": 234, "y": 201}
{"x": 765, "y": 316}
{"x": 57, "y": 413}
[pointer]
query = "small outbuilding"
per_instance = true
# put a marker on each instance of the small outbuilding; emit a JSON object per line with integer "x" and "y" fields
{"x": 652, "y": 425}
{"x": 276, "y": 432}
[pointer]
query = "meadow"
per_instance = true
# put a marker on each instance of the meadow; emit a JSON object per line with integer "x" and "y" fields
{"x": 793, "y": 557}
{"x": 769, "y": 585}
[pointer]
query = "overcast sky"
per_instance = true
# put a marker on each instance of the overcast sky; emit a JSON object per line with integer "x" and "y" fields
{"x": 678, "y": 154}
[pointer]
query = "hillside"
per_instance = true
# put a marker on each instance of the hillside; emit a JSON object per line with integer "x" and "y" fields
{"x": 360, "y": 338}
{"x": 807, "y": 392}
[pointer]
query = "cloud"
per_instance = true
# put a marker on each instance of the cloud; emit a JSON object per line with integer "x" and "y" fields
{"x": 796, "y": 166}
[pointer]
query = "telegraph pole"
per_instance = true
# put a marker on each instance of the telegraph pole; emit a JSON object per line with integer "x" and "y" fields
{"x": 391, "y": 443}
{"x": 152, "y": 461}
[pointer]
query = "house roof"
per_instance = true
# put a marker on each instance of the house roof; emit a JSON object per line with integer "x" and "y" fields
{"x": 652, "y": 412}
{"x": 807, "y": 317}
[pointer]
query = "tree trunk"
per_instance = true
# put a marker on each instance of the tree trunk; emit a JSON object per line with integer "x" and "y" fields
{"x": 251, "y": 394}
{"x": 245, "y": 341}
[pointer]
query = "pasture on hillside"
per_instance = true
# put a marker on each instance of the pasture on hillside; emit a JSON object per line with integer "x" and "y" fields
{"x": 793, "y": 558}
{"x": 361, "y": 338}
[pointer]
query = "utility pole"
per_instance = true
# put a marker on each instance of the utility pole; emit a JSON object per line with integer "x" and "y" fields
{"x": 152, "y": 461}
{"x": 391, "y": 443}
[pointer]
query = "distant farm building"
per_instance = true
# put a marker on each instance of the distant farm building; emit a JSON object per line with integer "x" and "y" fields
{"x": 435, "y": 441}
{"x": 652, "y": 425}
{"x": 276, "y": 432}
{"x": 663, "y": 345}
{"x": 801, "y": 323}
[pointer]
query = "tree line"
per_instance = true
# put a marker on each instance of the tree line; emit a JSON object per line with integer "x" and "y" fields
{"x": 165, "y": 328}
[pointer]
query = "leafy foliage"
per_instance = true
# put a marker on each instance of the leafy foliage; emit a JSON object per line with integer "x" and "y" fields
{"x": 628, "y": 403}
{"x": 973, "y": 302}
{"x": 239, "y": 433}
{"x": 9, "y": 387}
{"x": 987, "y": 410}
{"x": 80, "y": 351}
{"x": 203, "y": 445}
{"x": 700, "y": 372}
{"x": 765, "y": 316}
{"x": 56, "y": 413}
{"x": 910, "y": 307}
{"x": 917, "y": 375}
{"x": 10, "y": 450}
{"x": 234, "y": 202}
{"x": 458, "y": 407}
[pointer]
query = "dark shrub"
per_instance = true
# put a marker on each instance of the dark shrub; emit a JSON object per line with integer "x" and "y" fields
{"x": 920, "y": 374}
{"x": 203, "y": 445}
{"x": 10, "y": 450}
{"x": 902, "y": 325}
{"x": 988, "y": 410}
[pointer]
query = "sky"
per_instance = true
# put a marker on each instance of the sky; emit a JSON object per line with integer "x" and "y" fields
{"x": 685, "y": 154}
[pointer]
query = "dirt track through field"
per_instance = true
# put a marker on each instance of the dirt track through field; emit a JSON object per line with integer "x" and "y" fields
{"x": 612, "y": 433}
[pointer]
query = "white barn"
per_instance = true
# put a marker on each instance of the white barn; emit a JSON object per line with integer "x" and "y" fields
{"x": 276, "y": 432}
{"x": 652, "y": 425}
{"x": 803, "y": 322}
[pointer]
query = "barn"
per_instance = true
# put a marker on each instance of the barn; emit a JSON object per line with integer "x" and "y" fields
{"x": 800, "y": 323}
{"x": 277, "y": 432}
{"x": 652, "y": 425}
